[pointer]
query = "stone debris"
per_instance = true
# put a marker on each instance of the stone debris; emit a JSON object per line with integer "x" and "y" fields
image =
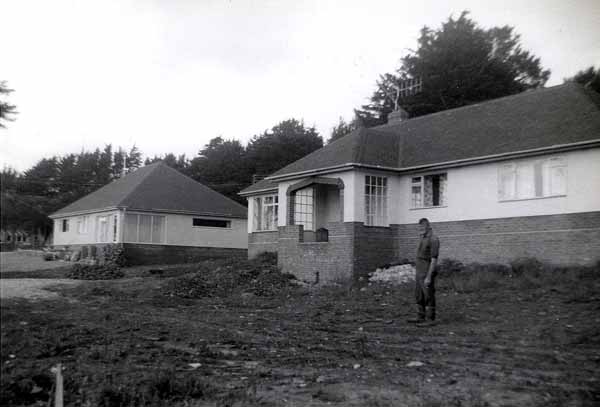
{"x": 415, "y": 363}
{"x": 396, "y": 274}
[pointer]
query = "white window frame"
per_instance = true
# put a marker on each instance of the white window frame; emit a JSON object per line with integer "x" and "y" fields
{"x": 541, "y": 172}
{"x": 64, "y": 225}
{"x": 418, "y": 181}
{"x": 259, "y": 211}
{"x": 376, "y": 200}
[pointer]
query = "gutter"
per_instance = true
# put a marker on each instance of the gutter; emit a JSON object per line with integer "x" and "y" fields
{"x": 153, "y": 210}
{"x": 57, "y": 215}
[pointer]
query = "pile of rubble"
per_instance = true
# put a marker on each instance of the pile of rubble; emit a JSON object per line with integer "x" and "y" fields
{"x": 394, "y": 273}
{"x": 259, "y": 277}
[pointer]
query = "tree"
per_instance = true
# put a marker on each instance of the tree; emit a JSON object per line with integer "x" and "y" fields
{"x": 133, "y": 159}
{"x": 180, "y": 163}
{"x": 458, "y": 64}
{"x": 285, "y": 143}
{"x": 6, "y": 109}
{"x": 341, "y": 129}
{"x": 590, "y": 78}
{"x": 221, "y": 165}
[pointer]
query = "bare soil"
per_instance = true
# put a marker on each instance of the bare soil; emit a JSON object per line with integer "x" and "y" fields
{"x": 126, "y": 342}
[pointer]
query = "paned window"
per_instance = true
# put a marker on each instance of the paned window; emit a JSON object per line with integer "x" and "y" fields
{"x": 376, "y": 201}
{"x": 265, "y": 213}
{"x": 211, "y": 223}
{"x": 144, "y": 228}
{"x": 65, "y": 225}
{"x": 304, "y": 208}
{"x": 532, "y": 179}
{"x": 428, "y": 191}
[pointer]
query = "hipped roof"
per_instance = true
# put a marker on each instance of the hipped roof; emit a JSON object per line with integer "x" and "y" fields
{"x": 158, "y": 188}
{"x": 560, "y": 115}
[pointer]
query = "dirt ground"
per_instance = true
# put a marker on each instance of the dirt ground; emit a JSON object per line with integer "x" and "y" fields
{"x": 126, "y": 342}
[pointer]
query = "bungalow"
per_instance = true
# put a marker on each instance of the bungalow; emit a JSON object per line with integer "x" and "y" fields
{"x": 158, "y": 216}
{"x": 511, "y": 177}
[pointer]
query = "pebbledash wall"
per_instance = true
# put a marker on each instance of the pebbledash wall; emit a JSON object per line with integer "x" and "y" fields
{"x": 473, "y": 226}
{"x": 182, "y": 243}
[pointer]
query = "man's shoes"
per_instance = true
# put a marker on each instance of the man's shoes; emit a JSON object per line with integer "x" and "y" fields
{"x": 417, "y": 320}
{"x": 426, "y": 323}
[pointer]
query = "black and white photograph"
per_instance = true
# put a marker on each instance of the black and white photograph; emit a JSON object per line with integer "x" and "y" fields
{"x": 232, "y": 203}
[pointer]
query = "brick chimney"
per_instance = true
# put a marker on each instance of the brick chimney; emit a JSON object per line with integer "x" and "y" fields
{"x": 397, "y": 116}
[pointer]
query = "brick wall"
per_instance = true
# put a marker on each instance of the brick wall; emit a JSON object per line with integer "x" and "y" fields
{"x": 560, "y": 239}
{"x": 373, "y": 247}
{"x": 259, "y": 242}
{"x": 138, "y": 254}
{"x": 332, "y": 260}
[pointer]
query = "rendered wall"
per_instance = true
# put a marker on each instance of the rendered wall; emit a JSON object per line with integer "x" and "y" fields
{"x": 73, "y": 237}
{"x": 181, "y": 232}
{"x": 473, "y": 193}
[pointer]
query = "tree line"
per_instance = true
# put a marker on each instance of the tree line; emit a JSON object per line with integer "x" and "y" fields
{"x": 458, "y": 64}
{"x": 224, "y": 165}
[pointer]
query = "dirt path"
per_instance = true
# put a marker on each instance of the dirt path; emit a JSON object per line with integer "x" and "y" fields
{"x": 31, "y": 288}
{"x": 27, "y": 261}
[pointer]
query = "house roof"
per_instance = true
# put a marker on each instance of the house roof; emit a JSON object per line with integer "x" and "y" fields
{"x": 157, "y": 187}
{"x": 559, "y": 115}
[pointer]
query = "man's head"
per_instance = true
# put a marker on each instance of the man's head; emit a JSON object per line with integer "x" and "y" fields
{"x": 424, "y": 225}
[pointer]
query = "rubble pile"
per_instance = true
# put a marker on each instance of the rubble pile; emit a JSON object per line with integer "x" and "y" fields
{"x": 396, "y": 274}
{"x": 259, "y": 277}
{"x": 95, "y": 272}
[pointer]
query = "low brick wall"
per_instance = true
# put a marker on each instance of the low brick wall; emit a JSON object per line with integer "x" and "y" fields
{"x": 140, "y": 254}
{"x": 330, "y": 260}
{"x": 559, "y": 239}
{"x": 259, "y": 242}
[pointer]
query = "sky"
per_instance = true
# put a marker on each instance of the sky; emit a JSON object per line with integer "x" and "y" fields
{"x": 169, "y": 75}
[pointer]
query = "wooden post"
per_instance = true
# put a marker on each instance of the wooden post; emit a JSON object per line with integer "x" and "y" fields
{"x": 58, "y": 388}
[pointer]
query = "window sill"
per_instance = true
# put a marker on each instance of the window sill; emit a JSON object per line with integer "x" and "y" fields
{"x": 428, "y": 207}
{"x": 377, "y": 226}
{"x": 531, "y": 199}
{"x": 264, "y": 231}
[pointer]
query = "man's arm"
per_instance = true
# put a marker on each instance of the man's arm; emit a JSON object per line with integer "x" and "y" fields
{"x": 431, "y": 270}
{"x": 435, "y": 252}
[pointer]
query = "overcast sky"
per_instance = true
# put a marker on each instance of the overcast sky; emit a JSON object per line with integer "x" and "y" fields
{"x": 169, "y": 75}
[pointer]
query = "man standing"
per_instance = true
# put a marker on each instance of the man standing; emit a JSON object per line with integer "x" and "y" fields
{"x": 427, "y": 255}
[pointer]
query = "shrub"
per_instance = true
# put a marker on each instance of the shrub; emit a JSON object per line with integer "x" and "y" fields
{"x": 527, "y": 265}
{"x": 449, "y": 267}
{"x": 95, "y": 272}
